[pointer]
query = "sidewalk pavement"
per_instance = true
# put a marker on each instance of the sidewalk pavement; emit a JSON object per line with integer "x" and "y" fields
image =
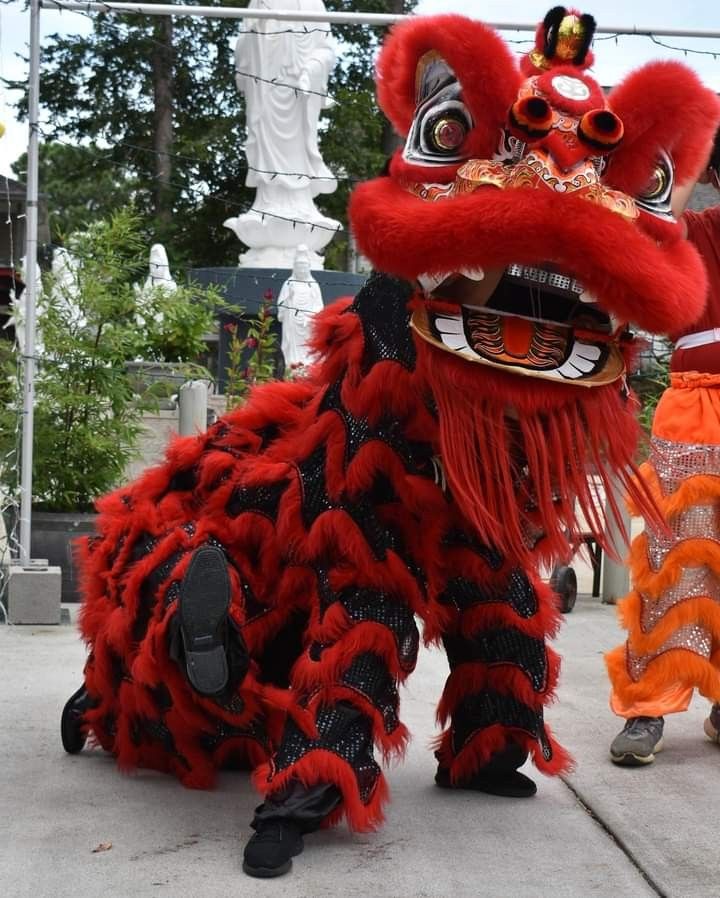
{"x": 625, "y": 833}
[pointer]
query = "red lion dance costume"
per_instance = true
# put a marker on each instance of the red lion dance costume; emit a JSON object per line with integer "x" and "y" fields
{"x": 437, "y": 454}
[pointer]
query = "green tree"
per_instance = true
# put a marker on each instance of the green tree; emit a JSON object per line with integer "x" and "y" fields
{"x": 87, "y": 408}
{"x": 81, "y": 185}
{"x": 159, "y": 96}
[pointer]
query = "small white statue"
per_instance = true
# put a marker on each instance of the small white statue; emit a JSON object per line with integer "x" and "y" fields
{"x": 159, "y": 278}
{"x": 282, "y": 139}
{"x": 16, "y": 319}
{"x": 299, "y": 301}
{"x": 66, "y": 288}
{"x": 159, "y": 275}
{"x": 18, "y": 314}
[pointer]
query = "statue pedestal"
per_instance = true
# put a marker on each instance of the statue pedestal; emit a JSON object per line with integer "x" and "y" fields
{"x": 273, "y": 241}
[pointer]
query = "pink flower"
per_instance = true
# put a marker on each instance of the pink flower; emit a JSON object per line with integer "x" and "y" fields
{"x": 251, "y": 343}
{"x": 268, "y": 296}
{"x": 231, "y": 328}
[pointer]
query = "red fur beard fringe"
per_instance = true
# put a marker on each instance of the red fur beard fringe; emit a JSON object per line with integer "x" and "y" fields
{"x": 525, "y": 457}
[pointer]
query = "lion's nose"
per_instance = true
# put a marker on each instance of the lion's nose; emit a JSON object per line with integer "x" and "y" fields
{"x": 561, "y": 151}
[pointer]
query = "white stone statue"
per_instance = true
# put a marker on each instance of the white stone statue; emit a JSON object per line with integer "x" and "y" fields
{"x": 299, "y": 301}
{"x": 18, "y": 314}
{"x": 159, "y": 278}
{"x": 66, "y": 288}
{"x": 282, "y": 126}
{"x": 159, "y": 275}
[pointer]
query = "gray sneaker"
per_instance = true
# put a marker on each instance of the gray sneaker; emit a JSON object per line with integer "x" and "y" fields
{"x": 639, "y": 741}
{"x": 712, "y": 724}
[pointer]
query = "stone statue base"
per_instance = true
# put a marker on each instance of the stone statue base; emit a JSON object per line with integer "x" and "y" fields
{"x": 273, "y": 241}
{"x": 277, "y": 257}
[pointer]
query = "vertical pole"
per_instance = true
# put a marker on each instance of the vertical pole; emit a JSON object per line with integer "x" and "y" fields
{"x": 615, "y": 574}
{"x": 31, "y": 224}
{"x": 193, "y": 408}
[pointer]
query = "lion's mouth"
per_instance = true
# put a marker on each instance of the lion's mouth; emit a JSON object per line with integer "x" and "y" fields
{"x": 534, "y": 321}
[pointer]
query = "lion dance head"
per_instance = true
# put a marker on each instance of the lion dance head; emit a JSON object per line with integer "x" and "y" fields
{"x": 533, "y": 213}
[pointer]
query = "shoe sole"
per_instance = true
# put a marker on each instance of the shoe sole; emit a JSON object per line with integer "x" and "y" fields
{"x": 630, "y": 759}
{"x": 511, "y": 785}
{"x": 271, "y": 872}
{"x": 266, "y": 872}
{"x": 203, "y": 604}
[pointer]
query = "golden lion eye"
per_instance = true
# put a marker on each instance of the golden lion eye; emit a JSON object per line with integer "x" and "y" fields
{"x": 448, "y": 133}
{"x": 658, "y": 183}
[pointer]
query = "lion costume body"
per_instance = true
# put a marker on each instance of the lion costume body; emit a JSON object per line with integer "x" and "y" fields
{"x": 439, "y": 450}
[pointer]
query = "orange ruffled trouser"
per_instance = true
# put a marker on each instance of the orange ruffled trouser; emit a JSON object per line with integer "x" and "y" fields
{"x": 672, "y": 613}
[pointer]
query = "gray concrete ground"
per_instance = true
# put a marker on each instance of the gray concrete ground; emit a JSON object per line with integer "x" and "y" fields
{"x": 606, "y": 832}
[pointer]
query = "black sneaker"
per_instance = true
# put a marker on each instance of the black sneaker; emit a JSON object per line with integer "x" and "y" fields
{"x": 203, "y": 610}
{"x": 71, "y": 723}
{"x": 271, "y": 849}
{"x": 499, "y": 776}
{"x": 639, "y": 742}
{"x": 712, "y": 724}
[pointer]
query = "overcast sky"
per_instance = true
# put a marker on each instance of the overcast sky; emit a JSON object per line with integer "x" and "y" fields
{"x": 613, "y": 59}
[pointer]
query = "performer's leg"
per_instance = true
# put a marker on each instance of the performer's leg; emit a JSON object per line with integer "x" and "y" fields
{"x": 203, "y": 621}
{"x": 364, "y": 643}
{"x": 162, "y": 682}
{"x": 641, "y": 738}
{"x": 671, "y": 700}
{"x": 671, "y": 613}
{"x": 501, "y": 675}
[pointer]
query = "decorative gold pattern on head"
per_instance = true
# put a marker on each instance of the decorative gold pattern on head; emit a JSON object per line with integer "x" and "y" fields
{"x": 570, "y": 37}
{"x": 538, "y": 60}
{"x": 530, "y": 172}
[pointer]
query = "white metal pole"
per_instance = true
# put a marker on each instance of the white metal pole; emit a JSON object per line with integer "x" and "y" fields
{"x": 347, "y": 18}
{"x": 31, "y": 245}
{"x": 226, "y": 12}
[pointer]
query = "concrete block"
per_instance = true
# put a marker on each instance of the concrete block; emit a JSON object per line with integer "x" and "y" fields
{"x": 33, "y": 595}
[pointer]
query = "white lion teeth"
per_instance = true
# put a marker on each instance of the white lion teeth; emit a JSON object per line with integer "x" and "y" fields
{"x": 456, "y": 342}
{"x": 588, "y": 351}
{"x": 473, "y": 274}
{"x": 587, "y": 296}
{"x": 430, "y": 282}
{"x": 449, "y": 325}
{"x": 452, "y": 333}
{"x": 579, "y": 362}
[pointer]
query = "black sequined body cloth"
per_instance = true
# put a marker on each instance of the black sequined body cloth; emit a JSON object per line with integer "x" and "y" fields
{"x": 329, "y": 500}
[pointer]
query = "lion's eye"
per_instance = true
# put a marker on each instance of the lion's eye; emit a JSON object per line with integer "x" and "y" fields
{"x": 442, "y": 121}
{"x": 656, "y": 196}
{"x": 658, "y": 183}
{"x": 447, "y": 133}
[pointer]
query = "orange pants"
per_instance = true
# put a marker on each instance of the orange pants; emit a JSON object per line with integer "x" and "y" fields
{"x": 671, "y": 700}
{"x": 672, "y": 613}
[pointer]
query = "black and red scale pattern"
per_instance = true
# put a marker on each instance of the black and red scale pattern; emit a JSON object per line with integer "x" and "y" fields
{"x": 323, "y": 496}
